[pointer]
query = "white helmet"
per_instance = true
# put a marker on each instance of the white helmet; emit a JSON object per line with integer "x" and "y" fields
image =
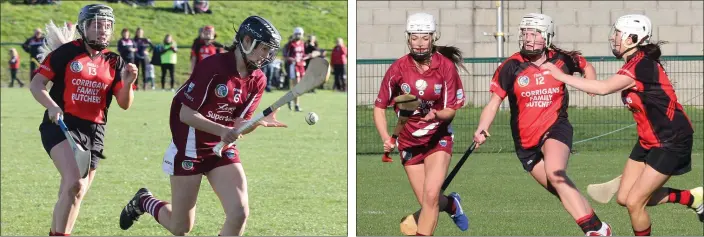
{"x": 633, "y": 25}
{"x": 297, "y": 33}
{"x": 421, "y": 23}
{"x": 298, "y": 30}
{"x": 540, "y": 22}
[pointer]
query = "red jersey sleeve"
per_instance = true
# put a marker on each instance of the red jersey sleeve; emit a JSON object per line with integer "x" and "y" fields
{"x": 502, "y": 78}
{"x": 49, "y": 66}
{"x": 453, "y": 91}
{"x": 195, "y": 91}
{"x": 253, "y": 100}
{"x": 388, "y": 86}
{"x": 118, "y": 83}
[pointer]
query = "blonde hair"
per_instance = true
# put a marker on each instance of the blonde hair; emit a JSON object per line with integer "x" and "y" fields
{"x": 13, "y": 52}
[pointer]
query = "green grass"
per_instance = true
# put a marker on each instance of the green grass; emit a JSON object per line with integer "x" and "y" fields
{"x": 587, "y": 123}
{"x": 297, "y": 175}
{"x": 326, "y": 19}
{"x": 501, "y": 199}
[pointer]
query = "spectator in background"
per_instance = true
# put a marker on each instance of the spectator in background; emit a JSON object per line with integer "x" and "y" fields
{"x": 168, "y": 60}
{"x": 142, "y": 55}
{"x": 182, "y": 6}
{"x": 126, "y": 47}
{"x": 31, "y": 46}
{"x": 310, "y": 46}
{"x": 338, "y": 59}
{"x": 205, "y": 46}
{"x": 201, "y": 6}
{"x": 289, "y": 69}
{"x": 14, "y": 66}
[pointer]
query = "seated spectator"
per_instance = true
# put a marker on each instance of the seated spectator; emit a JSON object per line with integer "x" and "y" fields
{"x": 201, "y": 6}
{"x": 182, "y": 6}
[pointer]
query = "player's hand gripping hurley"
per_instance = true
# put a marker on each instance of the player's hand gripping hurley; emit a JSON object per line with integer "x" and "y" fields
{"x": 82, "y": 157}
{"x": 315, "y": 76}
{"x": 407, "y": 104}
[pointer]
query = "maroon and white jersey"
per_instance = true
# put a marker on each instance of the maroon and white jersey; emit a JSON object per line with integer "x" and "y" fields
{"x": 438, "y": 88}
{"x": 217, "y": 92}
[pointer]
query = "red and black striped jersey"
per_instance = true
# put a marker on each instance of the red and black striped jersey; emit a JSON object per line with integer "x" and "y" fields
{"x": 536, "y": 100}
{"x": 83, "y": 86}
{"x": 660, "y": 118}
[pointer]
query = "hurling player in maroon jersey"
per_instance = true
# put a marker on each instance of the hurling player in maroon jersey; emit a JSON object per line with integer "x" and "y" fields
{"x": 85, "y": 77}
{"x": 221, "y": 94}
{"x": 664, "y": 146}
{"x": 428, "y": 72}
{"x": 541, "y": 132}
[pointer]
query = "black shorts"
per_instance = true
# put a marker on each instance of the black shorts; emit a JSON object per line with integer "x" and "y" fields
{"x": 87, "y": 134}
{"x": 675, "y": 159}
{"x": 561, "y": 131}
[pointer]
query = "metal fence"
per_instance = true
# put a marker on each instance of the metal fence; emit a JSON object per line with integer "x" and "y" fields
{"x": 600, "y": 123}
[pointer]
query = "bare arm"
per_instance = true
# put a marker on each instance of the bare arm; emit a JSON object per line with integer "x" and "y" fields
{"x": 589, "y": 72}
{"x": 125, "y": 96}
{"x": 489, "y": 113}
{"x": 446, "y": 114}
{"x": 197, "y": 121}
{"x": 613, "y": 84}
{"x": 380, "y": 123}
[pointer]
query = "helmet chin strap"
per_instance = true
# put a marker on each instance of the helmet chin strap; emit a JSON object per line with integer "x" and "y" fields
{"x": 620, "y": 55}
{"x": 251, "y": 66}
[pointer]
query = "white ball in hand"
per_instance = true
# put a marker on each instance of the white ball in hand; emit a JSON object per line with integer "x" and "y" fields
{"x": 312, "y": 118}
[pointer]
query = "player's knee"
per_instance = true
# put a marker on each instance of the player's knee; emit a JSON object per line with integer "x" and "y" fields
{"x": 556, "y": 176}
{"x": 237, "y": 215}
{"x": 621, "y": 198}
{"x": 431, "y": 198}
{"x": 77, "y": 189}
{"x": 635, "y": 204}
{"x": 181, "y": 230}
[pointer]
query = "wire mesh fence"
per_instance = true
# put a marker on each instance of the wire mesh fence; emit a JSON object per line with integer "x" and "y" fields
{"x": 600, "y": 123}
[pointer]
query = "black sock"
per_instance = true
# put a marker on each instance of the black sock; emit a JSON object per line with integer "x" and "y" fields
{"x": 589, "y": 222}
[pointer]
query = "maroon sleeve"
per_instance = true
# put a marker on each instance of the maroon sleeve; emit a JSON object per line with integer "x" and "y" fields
{"x": 195, "y": 91}
{"x": 256, "y": 97}
{"x": 453, "y": 94}
{"x": 388, "y": 87}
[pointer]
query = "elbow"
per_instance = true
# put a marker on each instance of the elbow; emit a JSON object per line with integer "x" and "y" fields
{"x": 125, "y": 105}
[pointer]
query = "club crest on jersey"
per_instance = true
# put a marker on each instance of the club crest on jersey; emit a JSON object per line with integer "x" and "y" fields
{"x": 523, "y": 81}
{"x": 406, "y": 88}
{"x": 187, "y": 165}
{"x": 230, "y": 153}
{"x": 460, "y": 94}
{"x": 221, "y": 90}
{"x": 443, "y": 143}
{"x": 190, "y": 87}
{"x": 438, "y": 88}
{"x": 76, "y": 66}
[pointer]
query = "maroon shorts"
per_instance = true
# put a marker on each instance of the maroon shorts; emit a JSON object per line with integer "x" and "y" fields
{"x": 300, "y": 71}
{"x": 416, "y": 155}
{"x": 177, "y": 163}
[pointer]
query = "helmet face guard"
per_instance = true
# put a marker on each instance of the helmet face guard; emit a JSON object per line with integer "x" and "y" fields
{"x": 264, "y": 53}
{"x": 95, "y": 25}
{"x": 535, "y": 30}
{"x": 419, "y": 25}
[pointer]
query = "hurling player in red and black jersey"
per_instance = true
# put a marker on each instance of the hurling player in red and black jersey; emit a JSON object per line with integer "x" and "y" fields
{"x": 85, "y": 77}
{"x": 664, "y": 146}
{"x": 541, "y": 132}
{"x": 428, "y": 72}
{"x": 221, "y": 94}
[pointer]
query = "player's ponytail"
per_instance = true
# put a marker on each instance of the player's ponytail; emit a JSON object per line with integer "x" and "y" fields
{"x": 55, "y": 37}
{"x": 572, "y": 54}
{"x": 454, "y": 54}
{"x": 652, "y": 50}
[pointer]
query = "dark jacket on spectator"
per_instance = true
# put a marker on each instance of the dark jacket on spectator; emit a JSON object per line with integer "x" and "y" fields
{"x": 32, "y": 44}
